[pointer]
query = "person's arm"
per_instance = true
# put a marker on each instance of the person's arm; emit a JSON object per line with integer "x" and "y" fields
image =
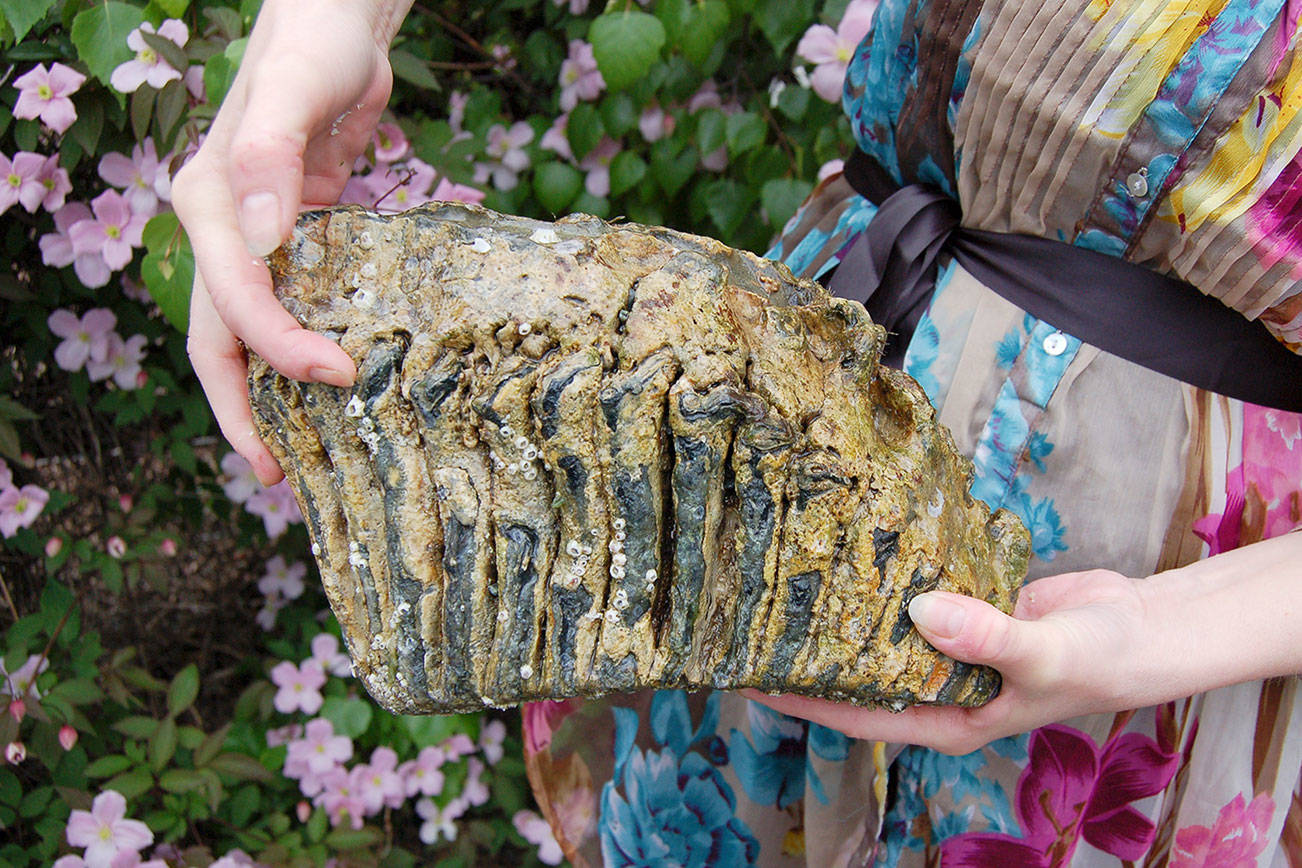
{"x": 1097, "y": 641}
{"x": 310, "y": 90}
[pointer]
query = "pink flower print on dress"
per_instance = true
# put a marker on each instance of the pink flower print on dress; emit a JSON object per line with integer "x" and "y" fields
{"x": 1073, "y": 789}
{"x": 300, "y": 687}
{"x": 538, "y": 831}
{"x": 84, "y": 339}
{"x": 581, "y": 80}
{"x": 19, "y": 507}
{"x": 831, "y": 50}
{"x": 142, "y": 177}
{"x": 45, "y": 94}
{"x": 121, "y": 361}
{"x": 1235, "y": 840}
{"x": 147, "y": 67}
{"x": 114, "y": 232}
{"x": 104, "y": 830}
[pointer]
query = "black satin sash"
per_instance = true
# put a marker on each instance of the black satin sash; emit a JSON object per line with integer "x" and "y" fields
{"x": 1156, "y": 321}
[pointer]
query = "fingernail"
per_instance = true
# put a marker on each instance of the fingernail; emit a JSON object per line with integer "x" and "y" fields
{"x": 937, "y": 615}
{"x": 333, "y": 376}
{"x": 260, "y": 221}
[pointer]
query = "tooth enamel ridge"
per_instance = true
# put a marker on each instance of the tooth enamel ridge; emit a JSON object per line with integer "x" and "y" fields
{"x": 598, "y": 457}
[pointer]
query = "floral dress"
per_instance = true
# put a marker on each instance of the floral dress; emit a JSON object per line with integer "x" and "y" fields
{"x": 1166, "y": 133}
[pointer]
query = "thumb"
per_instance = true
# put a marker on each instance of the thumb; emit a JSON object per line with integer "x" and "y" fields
{"x": 973, "y": 631}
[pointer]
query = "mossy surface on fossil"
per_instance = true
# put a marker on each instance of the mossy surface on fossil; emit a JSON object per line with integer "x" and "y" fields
{"x": 584, "y": 458}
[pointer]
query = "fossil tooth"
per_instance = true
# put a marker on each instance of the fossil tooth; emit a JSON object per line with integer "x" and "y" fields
{"x": 584, "y": 457}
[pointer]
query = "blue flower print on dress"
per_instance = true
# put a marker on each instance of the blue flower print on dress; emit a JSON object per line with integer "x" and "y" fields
{"x": 771, "y": 768}
{"x": 677, "y": 812}
{"x": 1040, "y": 517}
{"x": 674, "y": 809}
{"x": 1008, "y": 349}
{"x": 1038, "y": 449}
{"x": 924, "y": 350}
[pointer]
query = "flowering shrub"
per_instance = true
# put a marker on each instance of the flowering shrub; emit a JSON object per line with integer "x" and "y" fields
{"x": 172, "y": 690}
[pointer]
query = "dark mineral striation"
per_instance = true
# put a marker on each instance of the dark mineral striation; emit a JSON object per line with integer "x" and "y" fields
{"x": 582, "y": 458}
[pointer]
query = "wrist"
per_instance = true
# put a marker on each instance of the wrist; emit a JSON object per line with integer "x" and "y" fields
{"x": 382, "y": 17}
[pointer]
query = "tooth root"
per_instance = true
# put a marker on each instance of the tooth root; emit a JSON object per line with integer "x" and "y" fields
{"x": 435, "y": 381}
{"x": 566, "y": 393}
{"x": 524, "y": 537}
{"x": 702, "y": 425}
{"x": 633, "y": 407}
{"x": 367, "y": 550}
{"x": 293, "y": 440}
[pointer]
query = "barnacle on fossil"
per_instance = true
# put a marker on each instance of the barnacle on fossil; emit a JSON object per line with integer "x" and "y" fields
{"x": 582, "y": 458}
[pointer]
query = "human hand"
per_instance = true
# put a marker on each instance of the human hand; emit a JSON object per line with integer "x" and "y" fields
{"x": 314, "y": 80}
{"x": 1067, "y": 650}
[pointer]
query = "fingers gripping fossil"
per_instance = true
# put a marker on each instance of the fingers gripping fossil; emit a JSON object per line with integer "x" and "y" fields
{"x": 582, "y": 458}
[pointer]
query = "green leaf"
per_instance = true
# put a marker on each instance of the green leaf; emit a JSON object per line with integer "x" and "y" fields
{"x": 316, "y": 825}
{"x": 556, "y": 185}
{"x": 584, "y": 129}
{"x": 793, "y": 102}
{"x": 626, "y": 171}
{"x": 106, "y": 767}
{"x": 168, "y": 268}
{"x": 210, "y": 746}
{"x": 625, "y": 44}
{"x": 619, "y": 114}
{"x": 781, "y": 21}
{"x": 672, "y": 169}
{"x": 705, "y": 27}
{"x": 183, "y": 690}
{"x": 745, "y": 131}
{"x": 130, "y": 784}
{"x": 172, "y": 102}
{"x": 137, "y": 726}
{"x": 162, "y": 746}
{"x": 227, "y": 21}
{"x": 241, "y": 766}
{"x": 142, "y": 110}
{"x": 22, "y": 14}
{"x": 181, "y": 780}
{"x": 673, "y": 14}
{"x": 711, "y": 130}
{"x": 10, "y": 790}
{"x": 171, "y": 53}
{"x": 350, "y": 717}
{"x": 10, "y": 446}
{"x": 100, "y": 36}
{"x": 413, "y": 70}
{"x": 344, "y": 838}
{"x": 781, "y": 198}
{"x": 173, "y": 8}
{"x": 728, "y": 204}
{"x": 78, "y": 691}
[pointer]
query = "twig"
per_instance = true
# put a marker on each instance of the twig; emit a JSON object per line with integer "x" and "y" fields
{"x": 8, "y": 599}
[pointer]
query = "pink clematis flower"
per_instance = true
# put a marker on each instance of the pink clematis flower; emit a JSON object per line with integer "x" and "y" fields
{"x": 655, "y": 123}
{"x": 300, "y": 687}
{"x": 113, "y": 233}
{"x": 538, "y": 831}
{"x": 447, "y": 191}
{"x": 318, "y": 751}
{"x": 132, "y": 859}
{"x": 424, "y": 774}
{"x": 20, "y": 181}
{"x": 22, "y": 681}
{"x": 282, "y": 579}
{"x": 506, "y": 147}
{"x": 276, "y": 507}
{"x": 45, "y": 94}
{"x": 19, "y": 507}
{"x": 457, "y": 746}
{"x": 580, "y": 77}
{"x": 121, "y": 361}
{"x": 390, "y": 143}
{"x": 148, "y": 67}
{"x": 490, "y": 740}
{"x": 242, "y": 481}
{"x": 597, "y": 165}
{"x": 57, "y": 250}
{"x": 142, "y": 177}
{"x": 380, "y": 784}
{"x": 577, "y": 7}
{"x": 393, "y": 188}
{"x": 439, "y": 822}
{"x": 83, "y": 339}
{"x": 831, "y": 50}
{"x": 104, "y": 830}
{"x": 325, "y": 650}
{"x": 557, "y": 139}
{"x": 475, "y": 791}
{"x": 341, "y": 796}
